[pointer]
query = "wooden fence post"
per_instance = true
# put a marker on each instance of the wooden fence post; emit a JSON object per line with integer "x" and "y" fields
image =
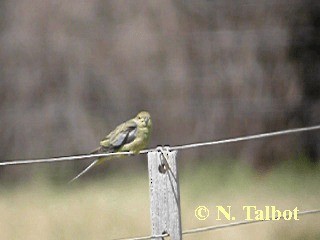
{"x": 164, "y": 194}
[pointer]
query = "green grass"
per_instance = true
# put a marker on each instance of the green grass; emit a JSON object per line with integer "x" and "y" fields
{"x": 118, "y": 206}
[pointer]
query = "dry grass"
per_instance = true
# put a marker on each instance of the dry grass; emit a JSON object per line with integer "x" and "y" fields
{"x": 119, "y": 206}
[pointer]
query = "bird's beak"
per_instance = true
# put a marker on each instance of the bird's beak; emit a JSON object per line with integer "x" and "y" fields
{"x": 147, "y": 120}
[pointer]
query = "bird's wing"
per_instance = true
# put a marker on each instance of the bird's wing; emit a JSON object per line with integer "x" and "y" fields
{"x": 123, "y": 134}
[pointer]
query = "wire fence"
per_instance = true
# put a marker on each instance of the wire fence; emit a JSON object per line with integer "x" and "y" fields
{"x": 182, "y": 147}
{"x": 179, "y": 147}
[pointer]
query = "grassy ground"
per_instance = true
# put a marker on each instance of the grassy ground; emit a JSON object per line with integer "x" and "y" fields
{"x": 118, "y": 206}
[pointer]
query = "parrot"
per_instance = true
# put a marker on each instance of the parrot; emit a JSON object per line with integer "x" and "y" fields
{"x": 130, "y": 136}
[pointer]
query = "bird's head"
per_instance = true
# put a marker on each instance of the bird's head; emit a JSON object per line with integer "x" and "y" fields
{"x": 144, "y": 119}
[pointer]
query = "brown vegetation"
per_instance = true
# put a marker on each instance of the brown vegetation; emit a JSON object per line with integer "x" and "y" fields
{"x": 71, "y": 70}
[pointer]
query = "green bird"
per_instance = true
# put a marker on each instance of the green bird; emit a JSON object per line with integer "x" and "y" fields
{"x": 130, "y": 136}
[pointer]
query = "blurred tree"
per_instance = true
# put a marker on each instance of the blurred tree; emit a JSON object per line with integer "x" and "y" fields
{"x": 305, "y": 50}
{"x": 72, "y": 70}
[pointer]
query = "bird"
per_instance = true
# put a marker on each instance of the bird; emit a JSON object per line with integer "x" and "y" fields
{"x": 130, "y": 136}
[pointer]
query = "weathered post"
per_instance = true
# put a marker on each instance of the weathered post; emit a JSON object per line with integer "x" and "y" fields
{"x": 164, "y": 194}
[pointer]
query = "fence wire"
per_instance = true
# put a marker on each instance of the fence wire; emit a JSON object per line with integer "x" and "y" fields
{"x": 216, "y": 227}
{"x": 179, "y": 147}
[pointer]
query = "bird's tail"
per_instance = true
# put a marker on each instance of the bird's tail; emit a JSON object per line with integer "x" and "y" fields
{"x": 85, "y": 170}
{"x": 95, "y": 162}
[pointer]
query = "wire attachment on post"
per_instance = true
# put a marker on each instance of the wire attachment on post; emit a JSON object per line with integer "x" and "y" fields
{"x": 164, "y": 167}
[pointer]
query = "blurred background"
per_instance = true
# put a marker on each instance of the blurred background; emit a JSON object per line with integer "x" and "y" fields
{"x": 71, "y": 70}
